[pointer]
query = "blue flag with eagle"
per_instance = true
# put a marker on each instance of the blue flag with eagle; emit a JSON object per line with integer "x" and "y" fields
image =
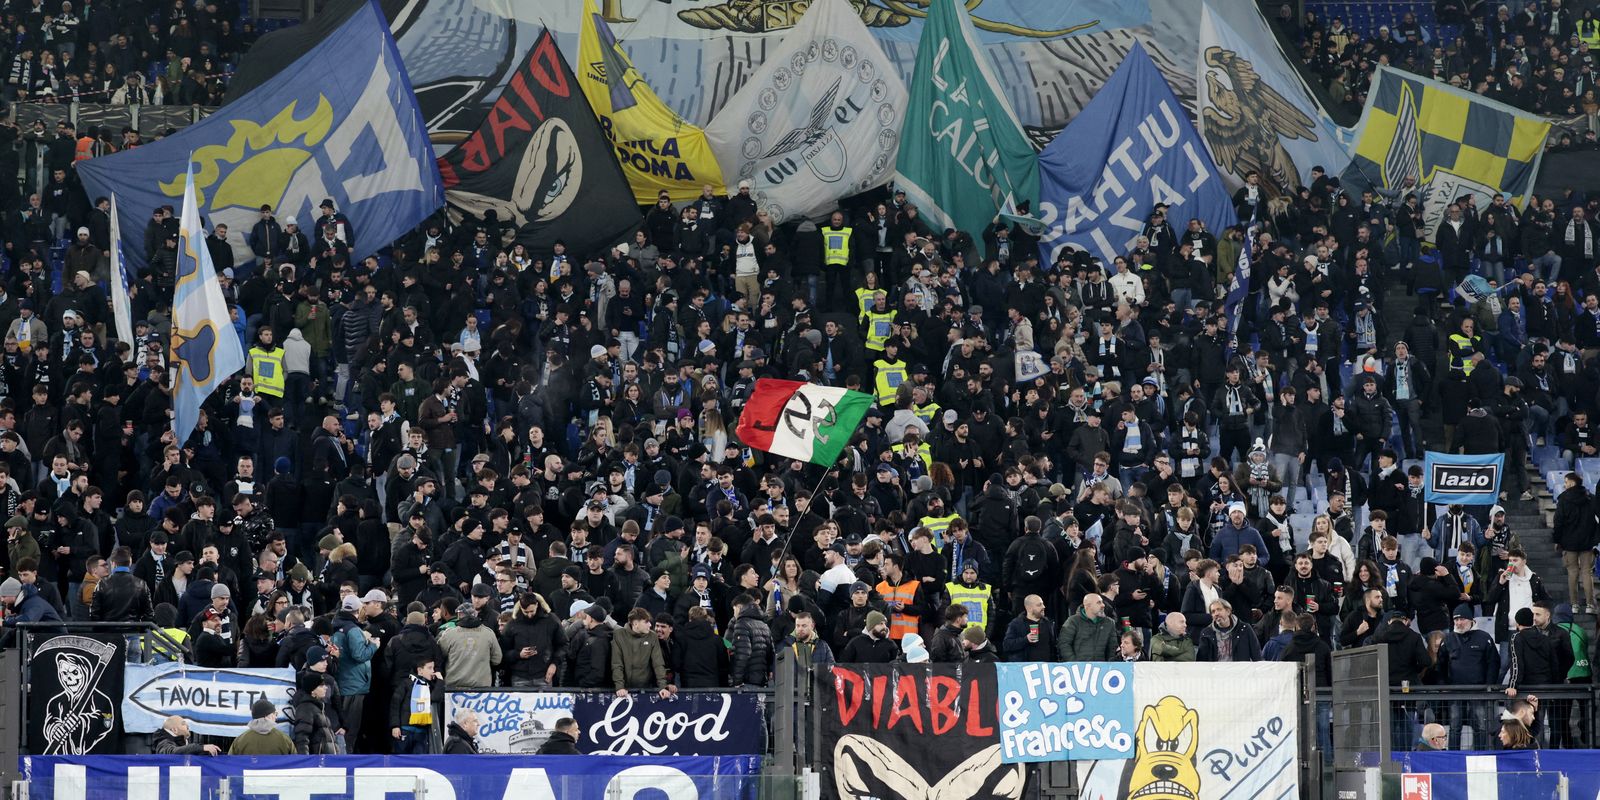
{"x": 205, "y": 351}
{"x": 341, "y": 124}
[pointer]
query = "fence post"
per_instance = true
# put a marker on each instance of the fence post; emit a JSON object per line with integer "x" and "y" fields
{"x": 785, "y": 730}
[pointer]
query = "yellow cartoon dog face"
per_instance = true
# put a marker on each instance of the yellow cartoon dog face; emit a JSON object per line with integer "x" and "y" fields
{"x": 1164, "y": 753}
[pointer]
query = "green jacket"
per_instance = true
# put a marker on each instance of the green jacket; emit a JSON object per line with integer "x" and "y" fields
{"x": 1578, "y": 640}
{"x": 1166, "y": 647}
{"x": 272, "y": 743}
{"x": 1085, "y": 639}
{"x": 636, "y": 661}
{"x": 317, "y": 328}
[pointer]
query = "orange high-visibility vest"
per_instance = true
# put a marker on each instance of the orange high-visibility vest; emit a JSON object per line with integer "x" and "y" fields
{"x": 900, "y": 624}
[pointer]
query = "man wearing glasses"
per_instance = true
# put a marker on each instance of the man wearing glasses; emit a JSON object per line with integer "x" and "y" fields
{"x": 1434, "y": 737}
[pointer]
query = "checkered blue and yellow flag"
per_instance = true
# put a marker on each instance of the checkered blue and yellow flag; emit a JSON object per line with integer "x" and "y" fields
{"x": 1451, "y": 141}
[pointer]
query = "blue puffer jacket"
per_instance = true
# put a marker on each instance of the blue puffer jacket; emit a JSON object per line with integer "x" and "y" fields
{"x": 32, "y": 608}
{"x": 354, "y": 671}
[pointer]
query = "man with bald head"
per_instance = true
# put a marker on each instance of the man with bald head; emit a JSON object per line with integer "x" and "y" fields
{"x": 1031, "y": 636}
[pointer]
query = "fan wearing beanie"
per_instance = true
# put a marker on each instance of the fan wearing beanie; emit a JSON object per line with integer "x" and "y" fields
{"x": 313, "y": 727}
{"x": 262, "y": 736}
{"x": 1535, "y": 659}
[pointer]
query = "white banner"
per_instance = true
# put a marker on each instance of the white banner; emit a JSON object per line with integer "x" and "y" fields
{"x": 819, "y": 121}
{"x": 510, "y": 722}
{"x": 1204, "y": 740}
{"x": 216, "y": 702}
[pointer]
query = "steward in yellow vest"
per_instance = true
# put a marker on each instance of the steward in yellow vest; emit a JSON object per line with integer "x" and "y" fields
{"x": 266, "y": 365}
{"x": 877, "y": 322}
{"x": 889, "y": 373}
{"x": 974, "y": 594}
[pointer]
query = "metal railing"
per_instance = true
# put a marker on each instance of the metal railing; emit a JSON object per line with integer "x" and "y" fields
{"x": 1567, "y": 715}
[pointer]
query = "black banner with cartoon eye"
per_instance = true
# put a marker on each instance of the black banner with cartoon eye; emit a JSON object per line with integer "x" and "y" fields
{"x": 541, "y": 163}
{"x": 74, "y": 688}
{"x": 900, "y": 731}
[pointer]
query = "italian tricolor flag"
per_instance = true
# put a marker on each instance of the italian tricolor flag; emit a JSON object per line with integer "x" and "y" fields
{"x": 802, "y": 421}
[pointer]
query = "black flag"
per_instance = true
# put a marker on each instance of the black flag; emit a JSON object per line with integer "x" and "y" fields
{"x": 541, "y": 162}
{"x": 75, "y": 687}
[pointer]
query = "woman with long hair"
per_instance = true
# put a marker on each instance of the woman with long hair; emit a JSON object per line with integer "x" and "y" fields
{"x": 713, "y": 434}
{"x": 1081, "y": 578}
{"x": 1367, "y": 576}
{"x": 784, "y": 585}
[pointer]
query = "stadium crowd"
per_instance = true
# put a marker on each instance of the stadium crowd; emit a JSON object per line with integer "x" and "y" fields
{"x": 462, "y": 463}
{"x": 1534, "y": 55}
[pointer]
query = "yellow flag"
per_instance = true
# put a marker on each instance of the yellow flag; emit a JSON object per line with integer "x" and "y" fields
{"x": 658, "y": 149}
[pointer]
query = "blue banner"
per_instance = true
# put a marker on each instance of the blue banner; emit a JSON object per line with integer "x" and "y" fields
{"x": 1077, "y": 711}
{"x": 1469, "y": 480}
{"x": 480, "y": 777}
{"x": 216, "y": 702}
{"x": 1489, "y": 775}
{"x": 1129, "y": 149}
{"x": 340, "y": 124}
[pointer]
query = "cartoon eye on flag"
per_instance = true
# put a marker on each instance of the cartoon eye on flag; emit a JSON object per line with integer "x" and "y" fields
{"x": 205, "y": 351}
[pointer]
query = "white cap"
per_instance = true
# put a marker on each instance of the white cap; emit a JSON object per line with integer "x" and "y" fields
{"x": 1236, "y": 506}
{"x": 287, "y": 221}
{"x": 744, "y": 184}
{"x": 597, "y": 351}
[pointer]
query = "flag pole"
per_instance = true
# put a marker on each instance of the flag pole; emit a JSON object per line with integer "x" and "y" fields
{"x": 811, "y": 504}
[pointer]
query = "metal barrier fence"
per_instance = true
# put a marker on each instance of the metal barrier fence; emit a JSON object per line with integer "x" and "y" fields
{"x": 1567, "y": 715}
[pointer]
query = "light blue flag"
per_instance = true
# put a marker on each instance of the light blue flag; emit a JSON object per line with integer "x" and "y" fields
{"x": 205, "y": 349}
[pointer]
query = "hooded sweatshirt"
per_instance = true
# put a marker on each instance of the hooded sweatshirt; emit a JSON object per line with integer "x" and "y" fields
{"x": 262, "y": 738}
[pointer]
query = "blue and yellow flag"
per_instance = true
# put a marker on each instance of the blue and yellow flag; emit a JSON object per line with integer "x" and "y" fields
{"x": 340, "y": 124}
{"x": 205, "y": 350}
{"x": 1449, "y": 141}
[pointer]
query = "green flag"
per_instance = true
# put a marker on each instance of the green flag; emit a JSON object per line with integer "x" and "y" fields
{"x": 964, "y": 157}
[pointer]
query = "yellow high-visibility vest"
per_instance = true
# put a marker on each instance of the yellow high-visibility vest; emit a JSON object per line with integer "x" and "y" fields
{"x": 975, "y": 598}
{"x": 836, "y": 246}
{"x": 880, "y": 326}
{"x": 890, "y": 375}
{"x": 864, "y": 297}
{"x": 937, "y": 525}
{"x": 926, "y": 412}
{"x": 1461, "y": 353}
{"x": 266, "y": 367}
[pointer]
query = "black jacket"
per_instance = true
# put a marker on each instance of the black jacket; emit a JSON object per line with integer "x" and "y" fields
{"x": 1574, "y": 530}
{"x": 1408, "y": 653}
{"x": 700, "y": 660}
{"x": 863, "y": 649}
{"x": 593, "y": 668}
{"x": 121, "y": 597}
{"x": 408, "y": 649}
{"x": 559, "y": 744}
{"x": 540, "y": 632}
{"x": 1308, "y": 643}
{"x": 1533, "y": 660}
{"x": 460, "y": 742}
{"x": 1470, "y": 659}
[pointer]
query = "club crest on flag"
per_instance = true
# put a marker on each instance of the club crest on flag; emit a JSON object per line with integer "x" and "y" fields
{"x": 1030, "y": 365}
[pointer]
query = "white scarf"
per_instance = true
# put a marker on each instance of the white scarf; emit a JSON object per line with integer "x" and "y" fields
{"x": 1573, "y": 230}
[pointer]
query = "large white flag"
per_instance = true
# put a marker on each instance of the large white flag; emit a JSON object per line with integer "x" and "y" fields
{"x": 819, "y": 121}
{"x": 121, "y": 308}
